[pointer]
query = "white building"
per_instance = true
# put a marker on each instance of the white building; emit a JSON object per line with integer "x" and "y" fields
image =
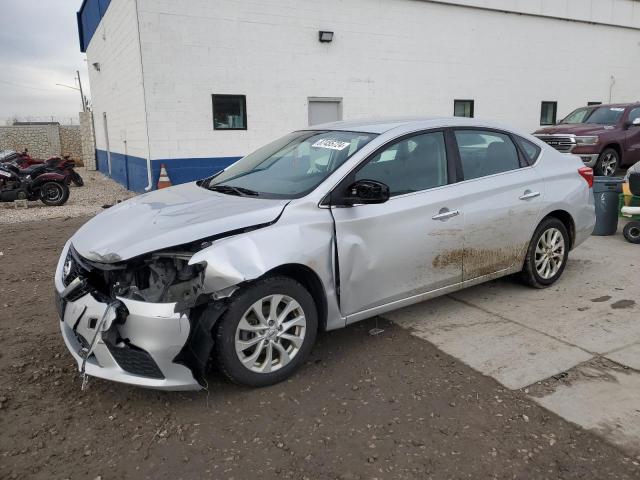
{"x": 195, "y": 84}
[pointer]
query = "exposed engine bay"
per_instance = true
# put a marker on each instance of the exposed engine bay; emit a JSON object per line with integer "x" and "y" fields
{"x": 163, "y": 278}
{"x": 160, "y": 277}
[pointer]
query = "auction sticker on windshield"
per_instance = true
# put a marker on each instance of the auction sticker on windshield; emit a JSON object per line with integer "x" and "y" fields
{"x": 332, "y": 144}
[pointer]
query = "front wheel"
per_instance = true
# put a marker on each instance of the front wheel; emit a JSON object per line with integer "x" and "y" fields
{"x": 608, "y": 163}
{"x": 54, "y": 194}
{"x": 631, "y": 232}
{"x": 547, "y": 254}
{"x": 266, "y": 333}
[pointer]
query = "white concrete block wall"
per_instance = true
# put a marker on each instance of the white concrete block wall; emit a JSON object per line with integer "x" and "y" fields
{"x": 117, "y": 88}
{"x": 615, "y": 12}
{"x": 388, "y": 57}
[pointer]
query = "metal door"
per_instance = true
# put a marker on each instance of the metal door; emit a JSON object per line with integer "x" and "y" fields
{"x": 501, "y": 207}
{"x": 632, "y": 139}
{"x": 410, "y": 244}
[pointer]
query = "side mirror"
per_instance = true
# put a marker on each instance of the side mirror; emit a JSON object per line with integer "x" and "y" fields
{"x": 366, "y": 192}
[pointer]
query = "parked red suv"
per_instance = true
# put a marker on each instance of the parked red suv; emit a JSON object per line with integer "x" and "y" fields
{"x": 604, "y": 136}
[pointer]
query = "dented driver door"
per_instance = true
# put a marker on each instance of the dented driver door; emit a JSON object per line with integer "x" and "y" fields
{"x": 398, "y": 249}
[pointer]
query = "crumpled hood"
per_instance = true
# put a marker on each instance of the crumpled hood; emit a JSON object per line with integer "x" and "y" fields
{"x": 575, "y": 129}
{"x": 166, "y": 218}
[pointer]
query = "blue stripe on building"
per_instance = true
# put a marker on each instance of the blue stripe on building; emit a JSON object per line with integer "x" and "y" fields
{"x": 88, "y": 17}
{"x": 131, "y": 171}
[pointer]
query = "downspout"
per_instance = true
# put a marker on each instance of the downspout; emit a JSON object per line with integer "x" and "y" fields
{"x": 144, "y": 97}
{"x": 613, "y": 82}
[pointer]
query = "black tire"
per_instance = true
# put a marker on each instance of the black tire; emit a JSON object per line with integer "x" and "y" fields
{"x": 54, "y": 194}
{"x": 631, "y": 232}
{"x": 225, "y": 354}
{"x": 608, "y": 163}
{"x": 530, "y": 274}
{"x": 77, "y": 179}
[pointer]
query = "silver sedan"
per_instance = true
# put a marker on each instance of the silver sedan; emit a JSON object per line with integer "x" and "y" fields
{"x": 319, "y": 229}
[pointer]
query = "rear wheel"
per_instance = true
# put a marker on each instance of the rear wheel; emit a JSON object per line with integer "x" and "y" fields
{"x": 266, "y": 333}
{"x": 547, "y": 254}
{"x": 608, "y": 163}
{"x": 54, "y": 193}
{"x": 631, "y": 232}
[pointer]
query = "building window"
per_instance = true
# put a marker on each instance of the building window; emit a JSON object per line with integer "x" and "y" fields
{"x": 229, "y": 112}
{"x": 463, "y": 108}
{"x": 593, "y": 103}
{"x": 548, "y": 113}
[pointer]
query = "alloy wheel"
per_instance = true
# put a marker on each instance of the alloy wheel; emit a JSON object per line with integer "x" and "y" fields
{"x": 550, "y": 251}
{"x": 608, "y": 164}
{"x": 270, "y": 333}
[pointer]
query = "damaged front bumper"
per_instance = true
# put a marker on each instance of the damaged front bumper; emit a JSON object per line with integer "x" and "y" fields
{"x": 136, "y": 344}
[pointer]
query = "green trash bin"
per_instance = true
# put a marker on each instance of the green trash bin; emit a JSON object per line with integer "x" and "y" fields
{"x": 606, "y": 191}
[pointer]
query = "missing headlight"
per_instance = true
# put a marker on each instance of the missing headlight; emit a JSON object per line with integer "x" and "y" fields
{"x": 163, "y": 277}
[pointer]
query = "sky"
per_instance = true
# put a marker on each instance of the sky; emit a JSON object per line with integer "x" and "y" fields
{"x": 39, "y": 48}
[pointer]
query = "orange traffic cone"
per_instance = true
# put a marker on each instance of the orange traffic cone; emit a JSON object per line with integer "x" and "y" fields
{"x": 163, "y": 181}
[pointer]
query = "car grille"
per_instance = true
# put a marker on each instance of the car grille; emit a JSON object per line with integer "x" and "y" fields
{"x": 134, "y": 360}
{"x": 561, "y": 143}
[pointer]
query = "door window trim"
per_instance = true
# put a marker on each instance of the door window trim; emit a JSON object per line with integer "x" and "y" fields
{"x": 522, "y": 159}
{"x": 348, "y": 179}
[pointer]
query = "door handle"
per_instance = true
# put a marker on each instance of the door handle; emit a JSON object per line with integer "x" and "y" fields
{"x": 445, "y": 213}
{"x": 528, "y": 194}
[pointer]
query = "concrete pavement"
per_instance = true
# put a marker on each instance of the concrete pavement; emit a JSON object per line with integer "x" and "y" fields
{"x": 574, "y": 347}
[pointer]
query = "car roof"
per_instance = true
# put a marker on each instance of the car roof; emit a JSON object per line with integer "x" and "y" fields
{"x": 382, "y": 125}
{"x": 614, "y": 105}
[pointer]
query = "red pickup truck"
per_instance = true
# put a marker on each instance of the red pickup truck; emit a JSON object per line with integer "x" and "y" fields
{"x": 606, "y": 137}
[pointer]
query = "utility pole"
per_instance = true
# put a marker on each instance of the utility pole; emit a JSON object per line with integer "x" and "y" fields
{"x": 84, "y": 105}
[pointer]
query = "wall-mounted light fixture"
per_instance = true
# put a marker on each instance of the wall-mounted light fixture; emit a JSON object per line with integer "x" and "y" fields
{"x": 325, "y": 37}
{"x": 96, "y": 65}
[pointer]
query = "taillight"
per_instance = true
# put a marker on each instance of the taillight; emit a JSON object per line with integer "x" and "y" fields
{"x": 587, "y": 174}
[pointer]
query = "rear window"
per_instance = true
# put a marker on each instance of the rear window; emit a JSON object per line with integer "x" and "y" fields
{"x": 530, "y": 149}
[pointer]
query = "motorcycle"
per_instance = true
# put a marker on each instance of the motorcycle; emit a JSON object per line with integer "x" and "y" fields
{"x": 65, "y": 166}
{"x": 57, "y": 164}
{"x": 32, "y": 183}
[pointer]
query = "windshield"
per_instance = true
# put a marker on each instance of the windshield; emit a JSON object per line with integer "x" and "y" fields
{"x": 605, "y": 115}
{"x": 290, "y": 167}
{"x": 577, "y": 116}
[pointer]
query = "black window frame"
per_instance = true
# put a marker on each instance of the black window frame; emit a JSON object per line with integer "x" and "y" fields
{"x": 528, "y": 161}
{"x": 522, "y": 159}
{"x": 243, "y": 98}
{"x": 460, "y": 100}
{"x": 554, "y": 105}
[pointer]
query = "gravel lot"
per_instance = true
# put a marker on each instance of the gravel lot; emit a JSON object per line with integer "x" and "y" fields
{"x": 386, "y": 406}
{"x": 98, "y": 190}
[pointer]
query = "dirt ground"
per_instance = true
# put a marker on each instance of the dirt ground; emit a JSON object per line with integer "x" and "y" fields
{"x": 386, "y": 406}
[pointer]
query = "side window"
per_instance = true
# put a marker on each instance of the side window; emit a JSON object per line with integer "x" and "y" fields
{"x": 633, "y": 114}
{"x": 409, "y": 165}
{"x": 485, "y": 153}
{"x": 530, "y": 149}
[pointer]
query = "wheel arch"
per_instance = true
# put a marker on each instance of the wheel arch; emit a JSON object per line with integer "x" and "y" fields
{"x": 617, "y": 147}
{"x": 309, "y": 280}
{"x": 567, "y": 220}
